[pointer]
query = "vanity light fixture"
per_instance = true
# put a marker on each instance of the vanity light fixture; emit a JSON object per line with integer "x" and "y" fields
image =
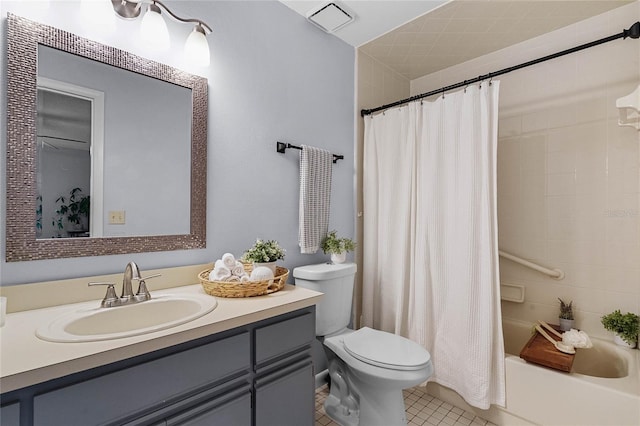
{"x": 196, "y": 48}
{"x": 154, "y": 30}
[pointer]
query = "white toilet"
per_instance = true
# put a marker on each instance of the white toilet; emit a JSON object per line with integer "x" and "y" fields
{"x": 368, "y": 368}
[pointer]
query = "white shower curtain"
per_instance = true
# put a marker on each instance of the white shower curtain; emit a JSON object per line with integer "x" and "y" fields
{"x": 430, "y": 270}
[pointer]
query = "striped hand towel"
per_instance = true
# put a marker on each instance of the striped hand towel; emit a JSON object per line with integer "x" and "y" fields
{"x": 315, "y": 197}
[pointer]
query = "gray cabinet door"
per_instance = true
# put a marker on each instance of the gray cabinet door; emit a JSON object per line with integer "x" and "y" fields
{"x": 286, "y": 397}
{"x": 10, "y": 414}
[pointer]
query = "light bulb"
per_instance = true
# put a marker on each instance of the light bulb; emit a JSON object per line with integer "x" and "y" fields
{"x": 196, "y": 48}
{"x": 153, "y": 29}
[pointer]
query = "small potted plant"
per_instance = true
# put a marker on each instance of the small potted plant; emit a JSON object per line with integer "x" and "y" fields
{"x": 264, "y": 253}
{"x": 566, "y": 318}
{"x": 624, "y": 326}
{"x": 337, "y": 247}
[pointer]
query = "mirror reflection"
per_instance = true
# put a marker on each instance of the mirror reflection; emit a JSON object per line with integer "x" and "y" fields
{"x": 106, "y": 137}
{"x": 63, "y": 132}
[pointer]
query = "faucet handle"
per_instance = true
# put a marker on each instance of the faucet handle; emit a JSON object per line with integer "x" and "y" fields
{"x": 143, "y": 293}
{"x": 147, "y": 277}
{"x": 110, "y": 299}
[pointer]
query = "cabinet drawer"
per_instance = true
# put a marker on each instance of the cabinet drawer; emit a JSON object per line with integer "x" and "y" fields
{"x": 277, "y": 339}
{"x": 190, "y": 407}
{"x": 232, "y": 409}
{"x": 134, "y": 389}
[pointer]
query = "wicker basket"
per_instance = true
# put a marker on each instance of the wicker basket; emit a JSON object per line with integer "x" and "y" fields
{"x": 247, "y": 289}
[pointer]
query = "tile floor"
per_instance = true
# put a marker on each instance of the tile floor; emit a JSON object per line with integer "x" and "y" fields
{"x": 422, "y": 410}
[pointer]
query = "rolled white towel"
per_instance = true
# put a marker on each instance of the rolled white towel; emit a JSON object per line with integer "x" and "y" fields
{"x": 219, "y": 274}
{"x": 238, "y": 269}
{"x": 245, "y": 278}
{"x": 233, "y": 279}
{"x": 229, "y": 260}
{"x": 219, "y": 264}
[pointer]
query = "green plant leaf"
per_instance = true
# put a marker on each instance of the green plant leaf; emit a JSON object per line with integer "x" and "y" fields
{"x": 263, "y": 252}
{"x": 626, "y": 326}
{"x": 332, "y": 244}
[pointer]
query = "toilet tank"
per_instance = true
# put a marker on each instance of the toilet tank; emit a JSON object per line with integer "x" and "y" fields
{"x": 333, "y": 312}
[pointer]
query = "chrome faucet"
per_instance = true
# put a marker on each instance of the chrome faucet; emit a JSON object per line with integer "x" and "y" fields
{"x": 131, "y": 273}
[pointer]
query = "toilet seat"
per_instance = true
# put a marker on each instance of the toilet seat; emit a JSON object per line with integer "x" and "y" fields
{"x": 385, "y": 350}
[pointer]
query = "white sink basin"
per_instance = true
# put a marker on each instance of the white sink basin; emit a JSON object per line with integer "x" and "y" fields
{"x": 96, "y": 323}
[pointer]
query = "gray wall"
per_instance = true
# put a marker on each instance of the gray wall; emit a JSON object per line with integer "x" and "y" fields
{"x": 273, "y": 76}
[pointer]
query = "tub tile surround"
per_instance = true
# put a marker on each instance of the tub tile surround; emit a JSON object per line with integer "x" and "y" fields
{"x": 568, "y": 175}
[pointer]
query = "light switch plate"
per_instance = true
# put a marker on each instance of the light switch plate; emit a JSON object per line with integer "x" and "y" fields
{"x": 117, "y": 217}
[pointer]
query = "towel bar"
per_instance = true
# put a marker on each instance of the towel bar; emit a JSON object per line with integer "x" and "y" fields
{"x": 281, "y": 147}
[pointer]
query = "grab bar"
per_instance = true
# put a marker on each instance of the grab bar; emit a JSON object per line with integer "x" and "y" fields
{"x": 555, "y": 273}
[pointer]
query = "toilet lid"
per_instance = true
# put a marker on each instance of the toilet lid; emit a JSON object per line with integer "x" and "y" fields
{"x": 386, "y": 350}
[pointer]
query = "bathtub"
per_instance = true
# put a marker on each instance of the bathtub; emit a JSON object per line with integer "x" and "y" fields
{"x": 603, "y": 387}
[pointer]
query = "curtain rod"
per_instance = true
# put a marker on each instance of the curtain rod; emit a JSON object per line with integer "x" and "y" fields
{"x": 633, "y": 32}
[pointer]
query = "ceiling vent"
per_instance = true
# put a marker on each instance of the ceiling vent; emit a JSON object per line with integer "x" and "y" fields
{"x": 330, "y": 17}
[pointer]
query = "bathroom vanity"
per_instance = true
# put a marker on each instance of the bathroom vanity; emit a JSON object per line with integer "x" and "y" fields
{"x": 248, "y": 362}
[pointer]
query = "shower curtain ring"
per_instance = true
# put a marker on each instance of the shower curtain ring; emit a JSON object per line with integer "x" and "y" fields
{"x": 490, "y": 79}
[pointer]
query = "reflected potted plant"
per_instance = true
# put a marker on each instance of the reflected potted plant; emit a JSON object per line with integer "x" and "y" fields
{"x": 337, "y": 247}
{"x": 625, "y": 327}
{"x": 566, "y": 317}
{"x": 76, "y": 207}
{"x": 264, "y": 253}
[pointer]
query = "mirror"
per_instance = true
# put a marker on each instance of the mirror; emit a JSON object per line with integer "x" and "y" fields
{"x": 136, "y": 157}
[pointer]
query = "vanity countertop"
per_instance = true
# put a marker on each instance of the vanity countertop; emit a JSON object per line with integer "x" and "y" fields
{"x": 27, "y": 360}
